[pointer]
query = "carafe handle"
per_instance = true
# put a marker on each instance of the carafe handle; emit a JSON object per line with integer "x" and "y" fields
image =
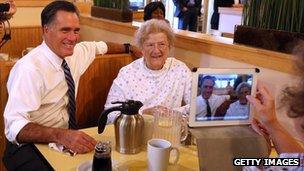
{"x": 102, "y": 121}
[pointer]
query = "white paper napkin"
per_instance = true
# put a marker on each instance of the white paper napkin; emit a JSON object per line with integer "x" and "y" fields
{"x": 62, "y": 149}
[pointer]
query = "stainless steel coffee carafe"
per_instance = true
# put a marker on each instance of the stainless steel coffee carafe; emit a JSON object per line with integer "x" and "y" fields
{"x": 128, "y": 126}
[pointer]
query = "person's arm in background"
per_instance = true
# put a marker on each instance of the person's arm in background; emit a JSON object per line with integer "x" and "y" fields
{"x": 265, "y": 114}
{"x": 178, "y": 4}
{"x": 114, "y": 48}
{"x": 222, "y": 109}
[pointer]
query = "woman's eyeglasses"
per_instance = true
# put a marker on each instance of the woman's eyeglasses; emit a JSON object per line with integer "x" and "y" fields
{"x": 160, "y": 46}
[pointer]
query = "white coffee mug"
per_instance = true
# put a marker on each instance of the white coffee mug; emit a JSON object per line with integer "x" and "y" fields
{"x": 148, "y": 128}
{"x": 159, "y": 152}
{"x": 4, "y": 56}
{"x": 27, "y": 50}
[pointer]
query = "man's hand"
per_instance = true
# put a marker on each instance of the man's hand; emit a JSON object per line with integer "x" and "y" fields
{"x": 74, "y": 140}
{"x": 77, "y": 141}
{"x": 135, "y": 52}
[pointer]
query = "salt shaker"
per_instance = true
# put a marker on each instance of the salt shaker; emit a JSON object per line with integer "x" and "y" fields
{"x": 102, "y": 157}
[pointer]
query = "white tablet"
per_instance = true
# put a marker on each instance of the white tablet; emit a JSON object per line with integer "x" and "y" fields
{"x": 219, "y": 96}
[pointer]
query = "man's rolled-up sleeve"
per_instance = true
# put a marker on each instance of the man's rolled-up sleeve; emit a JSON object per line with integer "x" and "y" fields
{"x": 24, "y": 96}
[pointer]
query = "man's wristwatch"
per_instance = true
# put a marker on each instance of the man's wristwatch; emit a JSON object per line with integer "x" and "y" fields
{"x": 128, "y": 47}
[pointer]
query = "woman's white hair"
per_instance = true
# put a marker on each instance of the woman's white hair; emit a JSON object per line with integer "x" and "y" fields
{"x": 242, "y": 85}
{"x": 153, "y": 26}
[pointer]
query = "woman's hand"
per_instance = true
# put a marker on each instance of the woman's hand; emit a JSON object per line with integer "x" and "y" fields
{"x": 265, "y": 114}
{"x": 264, "y": 106}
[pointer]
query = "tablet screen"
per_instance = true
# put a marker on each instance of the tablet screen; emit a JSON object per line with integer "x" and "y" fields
{"x": 219, "y": 95}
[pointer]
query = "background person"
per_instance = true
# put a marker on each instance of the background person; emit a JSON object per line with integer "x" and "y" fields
{"x": 155, "y": 79}
{"x": 154, "y": 10}
{"x": 187, "y": 12}
{"x": 266, "y": 123}
{"x": 216, "y": 16}
{"x": 42, "y": 86}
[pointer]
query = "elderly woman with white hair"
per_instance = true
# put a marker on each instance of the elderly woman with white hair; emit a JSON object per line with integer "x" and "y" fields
{"x": 155, "y": 79}
{"x": 240, "y": 108}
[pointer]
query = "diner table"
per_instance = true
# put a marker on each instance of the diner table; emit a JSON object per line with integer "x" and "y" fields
{"x": 188, "y": 159}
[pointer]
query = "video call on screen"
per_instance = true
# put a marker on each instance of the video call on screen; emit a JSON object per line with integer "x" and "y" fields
{"x": 223, "y": 97}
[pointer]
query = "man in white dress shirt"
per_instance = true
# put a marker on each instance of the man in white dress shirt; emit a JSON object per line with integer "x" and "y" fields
{"x": 36, "y": 110}
{"x": 208, "y": 103}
